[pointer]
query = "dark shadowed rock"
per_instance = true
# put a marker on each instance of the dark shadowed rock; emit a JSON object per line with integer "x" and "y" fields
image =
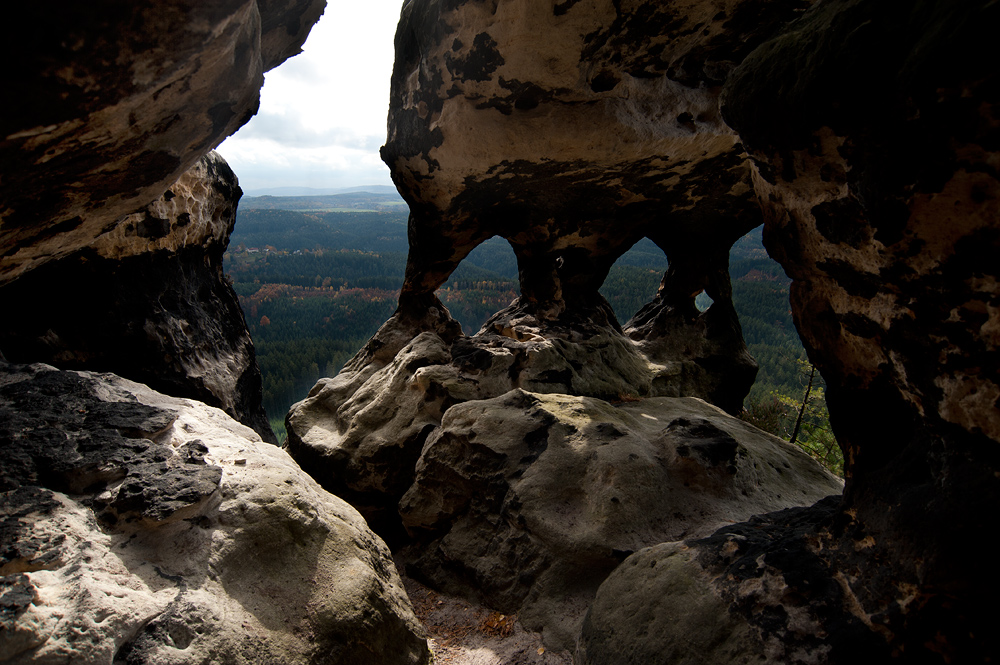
{"x": 148, "y": 300}
{"x": 876, "y": 165}
{"x": 660, "y": 607}
{"x": 768, "y": 590}
{"x": 875, "y": 137}
{"x": 117, "y": 101}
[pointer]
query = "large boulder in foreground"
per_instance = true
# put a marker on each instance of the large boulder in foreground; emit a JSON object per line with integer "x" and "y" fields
{"x": 141, "y": 528}
{"x": 528, "y": 501}
{"x": 785, "y": 587}
{"x": 148, "y": 301}
{"x": 658, "y": 604}
{"x": 114, "y": 101}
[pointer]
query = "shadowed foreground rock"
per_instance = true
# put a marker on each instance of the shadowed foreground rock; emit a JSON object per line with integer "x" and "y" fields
{"x": 875, "y": 135}
{"x": 141, "y": 528}
{"x": 148, "y": 301}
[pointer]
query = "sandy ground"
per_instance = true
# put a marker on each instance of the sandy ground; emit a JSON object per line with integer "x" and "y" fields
{"x": 463, "y": 633}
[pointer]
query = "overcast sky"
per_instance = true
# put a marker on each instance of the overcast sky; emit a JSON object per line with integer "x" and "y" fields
{"x": 323, "y": 113}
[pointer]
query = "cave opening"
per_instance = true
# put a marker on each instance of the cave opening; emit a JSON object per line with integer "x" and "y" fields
{"x": 484, "y": 282}
{"x": 634, "y": 279}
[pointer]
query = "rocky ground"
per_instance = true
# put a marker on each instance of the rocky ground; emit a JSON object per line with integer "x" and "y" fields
{"x": 464, "y": 633}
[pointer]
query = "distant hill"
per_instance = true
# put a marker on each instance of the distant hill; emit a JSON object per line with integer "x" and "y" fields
{"x": 344, "y": 202}
{"x": 313, "y": 191}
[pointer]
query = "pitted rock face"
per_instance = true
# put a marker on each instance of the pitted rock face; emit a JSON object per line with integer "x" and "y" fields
{"x": 115, "y": 102}
{"x": 141, "y": 528}
{"x": 360, "y": 433}
{"x": 873, "y": 128}
{"x": 199, "y": 210}
{"x": 884, "y": 212}
{"x": 529, "y": 501}
{"x": 572, "y": 130}
{"x": 148, "y": 300}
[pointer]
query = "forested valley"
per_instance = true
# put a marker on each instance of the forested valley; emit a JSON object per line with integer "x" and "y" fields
{"x": 317, "y": 276}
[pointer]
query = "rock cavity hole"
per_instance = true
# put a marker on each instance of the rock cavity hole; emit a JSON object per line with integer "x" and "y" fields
{"x": 703, "y": 301}
{"x": 484, "y": 283}
{"x": 634, "y": 279}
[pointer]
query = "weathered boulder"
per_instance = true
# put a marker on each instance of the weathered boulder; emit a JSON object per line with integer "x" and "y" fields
{"x": 148, "y": 301}
{"x": 780, "y": 588}
{"x": 659, "y": 606}
{"x": 136, "y": 527}
{"x": 360, "y": 433}
{"x": 528, "y": 501}
{"x": 116, "y": 101}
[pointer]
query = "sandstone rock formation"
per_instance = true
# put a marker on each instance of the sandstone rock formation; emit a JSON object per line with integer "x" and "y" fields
{"x": 361, "y": 432}
{"x": 528, "y": 501}
{"x": 148, "y": 301}
{"x": 573, "y": 129}
{"x": 138, "y": 527}
{"x": 874, "y": 132}
{"x": 658, "y": 607}
{"x": 525, "y": 121}
{"x": 114, "y": 102}
{"x": 534, "y": 122}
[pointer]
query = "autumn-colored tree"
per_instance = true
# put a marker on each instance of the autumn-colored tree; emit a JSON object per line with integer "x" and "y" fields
{"x": 264, "y": 321}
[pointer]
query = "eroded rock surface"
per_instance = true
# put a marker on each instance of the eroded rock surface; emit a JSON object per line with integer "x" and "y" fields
{"x": 784, "y": 587}
{"x": 873, "y": 127}
{"x": 528, "y": 122}
{"x": 877, "y": 168}
{"x": 661, "y": 607}
{"x": 528, "y": 501}
{"x": 138, "y": 527}
{"x": 360, "y": 433}
{"x": 117, "y": 101}
{"x": 148, "y": 301}
{"x": 573, "y": 130}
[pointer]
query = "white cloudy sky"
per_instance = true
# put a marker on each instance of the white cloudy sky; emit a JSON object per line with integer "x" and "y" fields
{"x": 323, "y": 113}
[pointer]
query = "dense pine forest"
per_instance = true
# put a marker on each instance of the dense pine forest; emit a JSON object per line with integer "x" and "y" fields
{"x": 317, "y": 276}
